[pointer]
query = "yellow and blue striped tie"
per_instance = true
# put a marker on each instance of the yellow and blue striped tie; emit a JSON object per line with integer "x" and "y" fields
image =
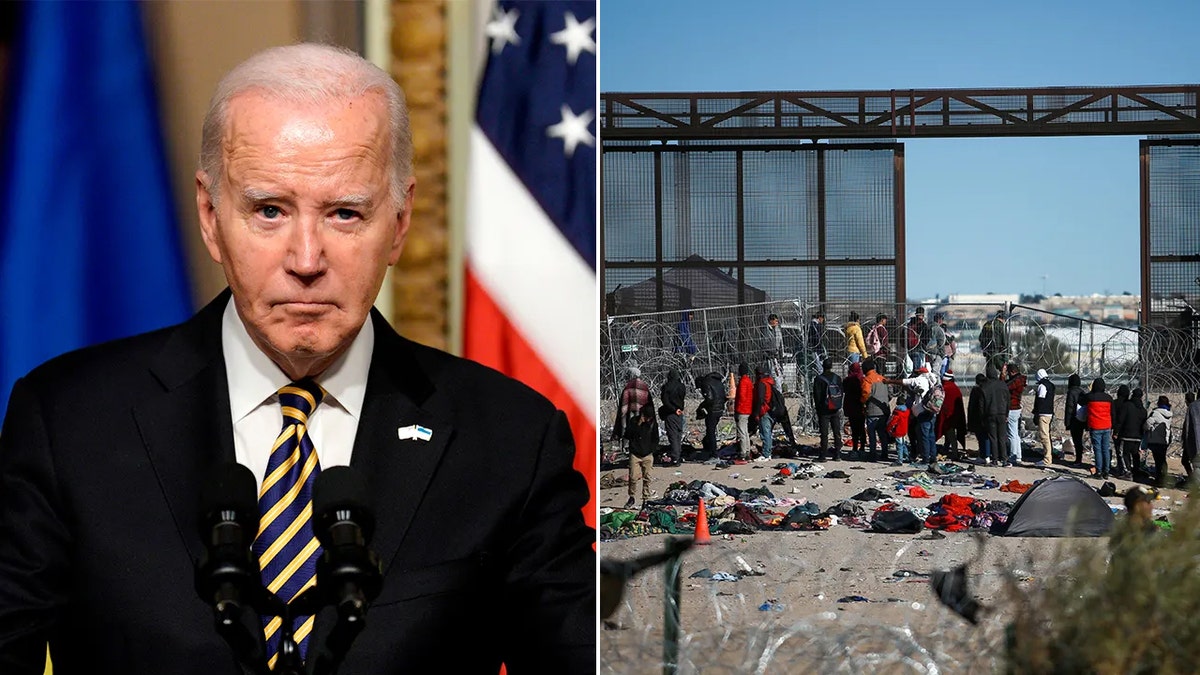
{"x": 286, "y": 548}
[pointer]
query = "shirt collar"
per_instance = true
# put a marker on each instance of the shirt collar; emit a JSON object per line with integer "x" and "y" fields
{"x": 254, "y": 378}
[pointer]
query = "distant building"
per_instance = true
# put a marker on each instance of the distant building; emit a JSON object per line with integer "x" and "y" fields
{"x": 984, "y": 299}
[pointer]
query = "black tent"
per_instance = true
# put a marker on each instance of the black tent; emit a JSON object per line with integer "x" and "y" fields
{"x": 1061, "y": 506}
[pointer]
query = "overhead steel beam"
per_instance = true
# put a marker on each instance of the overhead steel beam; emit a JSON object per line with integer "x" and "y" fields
{"x": 911, "y": 113}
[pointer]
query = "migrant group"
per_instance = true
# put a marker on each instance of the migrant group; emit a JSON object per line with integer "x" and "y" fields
{"x": 911, "y": 412}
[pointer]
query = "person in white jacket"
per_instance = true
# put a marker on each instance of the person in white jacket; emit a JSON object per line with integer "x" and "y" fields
{"x": 1158, "y": 437}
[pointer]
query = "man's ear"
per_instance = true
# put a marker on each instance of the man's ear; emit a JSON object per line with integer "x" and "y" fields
{"x": 207, "y": 210}
{"x": 403, "y": 221}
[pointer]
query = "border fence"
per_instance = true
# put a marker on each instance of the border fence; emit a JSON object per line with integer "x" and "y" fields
{"x": 717, "y": 339}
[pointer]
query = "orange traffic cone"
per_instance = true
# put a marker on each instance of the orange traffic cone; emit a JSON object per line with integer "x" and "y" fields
{"x": 702, "y": 536}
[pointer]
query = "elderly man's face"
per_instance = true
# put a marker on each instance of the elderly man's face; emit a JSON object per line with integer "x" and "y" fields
{"x": 306, "y": 225}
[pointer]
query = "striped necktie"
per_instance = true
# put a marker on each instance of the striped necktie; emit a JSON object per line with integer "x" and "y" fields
{"x": 286, "y": 548}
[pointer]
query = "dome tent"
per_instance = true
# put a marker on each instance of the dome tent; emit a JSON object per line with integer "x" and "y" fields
{"x": 1060, "y": 506}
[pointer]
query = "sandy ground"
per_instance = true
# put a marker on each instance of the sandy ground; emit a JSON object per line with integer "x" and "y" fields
{"x": 902, "y": 629}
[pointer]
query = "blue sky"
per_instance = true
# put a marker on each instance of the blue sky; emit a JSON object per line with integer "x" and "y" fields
{"x": 982, "y": 214}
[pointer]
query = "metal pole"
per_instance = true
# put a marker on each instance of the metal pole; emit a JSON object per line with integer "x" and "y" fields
{"x": 1079, "y": 350}
{"x": 708, "y": 340}
{"x": 672, "y": 586}
{"x": 611, "y": 353}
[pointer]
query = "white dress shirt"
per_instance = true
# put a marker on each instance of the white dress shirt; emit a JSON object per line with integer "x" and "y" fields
{"x": 254, "y": 381}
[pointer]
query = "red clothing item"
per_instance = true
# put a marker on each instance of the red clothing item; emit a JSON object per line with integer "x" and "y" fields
{"x": 953, "y": 414}
{"x": 1016, "y": 389}
{"x": 1099, "y": 412}
{"x": 762, "y": 397}
{"x": 743, "y": 402}
{"x": 897, "y": 426}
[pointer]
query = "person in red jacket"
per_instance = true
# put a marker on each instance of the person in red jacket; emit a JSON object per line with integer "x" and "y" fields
{"x": 1099, "y": 424}
{"x": 764, "y": 389}
{"x": 952, "y": 418}
{"x": 897, "y": 428}
{"x": 852, "y": 388}
{"x": 743, "y": 406}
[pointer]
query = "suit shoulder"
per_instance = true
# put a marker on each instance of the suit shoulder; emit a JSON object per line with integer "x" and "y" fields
{"x": 109, "y": 362}
{"x": 474, "y": 382}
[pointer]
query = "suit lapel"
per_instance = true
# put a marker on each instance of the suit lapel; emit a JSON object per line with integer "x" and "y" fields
{"x": 398, "y": 471}
{"x": 186, "y": 428}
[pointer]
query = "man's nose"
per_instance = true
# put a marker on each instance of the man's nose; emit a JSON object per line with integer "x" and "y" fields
{"x": 306, "y": 252}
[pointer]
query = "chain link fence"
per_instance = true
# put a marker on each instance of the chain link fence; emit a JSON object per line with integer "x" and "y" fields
{"x": 717, "y": 339}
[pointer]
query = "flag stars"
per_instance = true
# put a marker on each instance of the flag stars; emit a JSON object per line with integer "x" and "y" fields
{"x": 573, "y": 130}
{"x": 502, "y": 29}
{"x": 576, "y": 37}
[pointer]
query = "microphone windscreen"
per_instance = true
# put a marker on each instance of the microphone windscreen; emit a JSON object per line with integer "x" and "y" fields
{"x": 230, "y": 487}
{"x": 342, "y": 488}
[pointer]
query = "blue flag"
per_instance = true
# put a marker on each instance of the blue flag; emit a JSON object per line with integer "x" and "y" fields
{"x": 89, "y": 245}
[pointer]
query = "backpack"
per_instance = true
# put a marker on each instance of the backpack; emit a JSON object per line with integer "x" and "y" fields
{"x": 833, "y": 393}
{"x": 911, "y": 338}
{"x": 778, "y": 407}
{"x": 987, "y": 335}
{"x": 934, "y": 398}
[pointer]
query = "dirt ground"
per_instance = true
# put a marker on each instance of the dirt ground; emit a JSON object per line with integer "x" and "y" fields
{"x": 804, "y": 628}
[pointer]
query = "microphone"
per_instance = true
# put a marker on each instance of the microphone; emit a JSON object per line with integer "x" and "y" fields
{"x": 227, "y": 573}
{"x": 349, "y": 574}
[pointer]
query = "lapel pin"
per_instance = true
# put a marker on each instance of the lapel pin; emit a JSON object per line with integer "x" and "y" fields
{"x": 414, "y": 432}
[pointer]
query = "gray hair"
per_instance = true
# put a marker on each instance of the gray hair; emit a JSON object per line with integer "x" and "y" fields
{"x": 307, "y": 73}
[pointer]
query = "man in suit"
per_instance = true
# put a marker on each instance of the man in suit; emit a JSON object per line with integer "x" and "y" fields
{"x": 305, "y": 191}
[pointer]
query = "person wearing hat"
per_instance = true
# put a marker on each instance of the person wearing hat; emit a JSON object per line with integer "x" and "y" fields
{"x": 1129, "y": 428}
{"x": 993, "y": 338}
{"x": 1158, "y": 437}
{"x": 764, "y": 389}
{"x": 918, "y": 386}
{"x": 952, "y": 418}
{"x": 917, "y": 338}
{"x": 1043, "y": 412}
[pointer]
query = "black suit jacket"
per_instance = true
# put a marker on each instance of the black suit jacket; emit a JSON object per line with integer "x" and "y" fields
{"x": 486, "y": 555}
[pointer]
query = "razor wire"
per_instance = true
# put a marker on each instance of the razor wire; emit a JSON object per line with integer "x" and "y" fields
{"x": 1159, "y": 359}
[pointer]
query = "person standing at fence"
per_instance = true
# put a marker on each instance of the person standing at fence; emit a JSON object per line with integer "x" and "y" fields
{"x": 852, "y": 391}
{"x": 935, "y": 347}
{"x": 828, "y": 399}
{"x": 995, "y": 406}
{"x": 635, "y": 395}
{"x": 1075, "y": 424}
{"x": 876, "y": 398}
{"x": 977, "y": 419}
{"x": 1016, "y": 389}
{"x": 773, "y": 347}
{"x": 686, "y": 344}
{"x": 764, "y": 388}
{"x": 672, "y": 395}
{"x": 993, "y": 338}
{"x": 1118, "y": 404}
{"x": 743, "y": 408}
{"x": 814, "y": 343}
{"x": 1158, "y": 437}
{"x": 856, "y": 347}
{"x": 1043, "y": 412}
{"x": 917, "y": 335}
{"x": 1099, "y": 423}
{"x": 877, "y": 339}
{"x": 1191, "y": 435}
{"x": 643, "y": 441}
{"x": 949, "y": 345}
{"x": 952, "y": 418}
{"x": 1129, "y": 428}
{"x": 712, "y": 405}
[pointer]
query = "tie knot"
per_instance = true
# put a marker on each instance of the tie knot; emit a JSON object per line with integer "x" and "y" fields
{"x": 299, "y": 399}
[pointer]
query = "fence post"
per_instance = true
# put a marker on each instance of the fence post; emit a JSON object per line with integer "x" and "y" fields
{"x": 708, "y": 340}
{"x": 1079, "y": 350}
{"x": 612, "y": 354}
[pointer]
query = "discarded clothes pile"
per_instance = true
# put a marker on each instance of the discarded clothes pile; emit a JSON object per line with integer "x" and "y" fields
{"x": 894, "y": 519}
{"x": 624, "y": 524}
{"x": 1016, "y": 486}
{"x": 956, "y": 513}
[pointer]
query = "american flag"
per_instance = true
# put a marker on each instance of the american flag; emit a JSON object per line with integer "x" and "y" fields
{"x": 530, "y": 283}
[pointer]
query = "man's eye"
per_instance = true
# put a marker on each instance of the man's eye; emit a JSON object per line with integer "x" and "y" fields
{"x": 346, "y": 214}
{"x": 270, "y": 212}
